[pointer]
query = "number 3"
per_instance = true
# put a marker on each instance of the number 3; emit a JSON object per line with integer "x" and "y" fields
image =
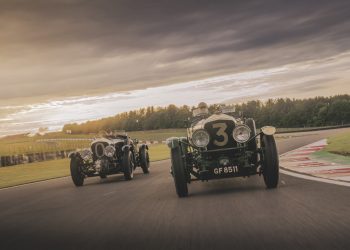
{"x": 221, "y": 132}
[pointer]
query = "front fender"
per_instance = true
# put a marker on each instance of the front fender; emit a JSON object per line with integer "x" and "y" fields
{"x": 143, "y": 146}
{"x": 268, "y": 130}
{"x": 72, "y": 155}
{"x": 174, "y": 142}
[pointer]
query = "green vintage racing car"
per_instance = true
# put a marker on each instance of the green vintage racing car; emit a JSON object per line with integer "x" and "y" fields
{"x": 222, "y": 145}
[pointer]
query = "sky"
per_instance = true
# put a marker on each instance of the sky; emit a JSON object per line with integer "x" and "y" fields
{"x": 67, "y": 61}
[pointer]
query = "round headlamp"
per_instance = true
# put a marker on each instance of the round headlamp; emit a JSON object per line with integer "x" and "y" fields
{"x": 109, "y": 151}
{"x": 86, "y": 154}
{"x": 200, "y": 138}
{"x": 241, "y": 133}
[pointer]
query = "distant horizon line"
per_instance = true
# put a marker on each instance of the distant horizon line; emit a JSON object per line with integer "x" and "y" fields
{"x": 262, "y": 100}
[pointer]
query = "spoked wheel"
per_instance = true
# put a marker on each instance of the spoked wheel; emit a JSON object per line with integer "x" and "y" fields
{"x": 76, "y": 173}
{"x": 179, "y": 172}
{"x": 270, "y": 161}
{"x": 144, "y": 160}
{"x": 128, "y": 165}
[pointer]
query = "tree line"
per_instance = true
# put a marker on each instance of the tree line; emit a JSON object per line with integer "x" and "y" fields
{"x": 281, "y": 112}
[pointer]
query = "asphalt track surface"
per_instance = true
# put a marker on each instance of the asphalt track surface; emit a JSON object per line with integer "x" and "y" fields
{"x": 145, "y": 213}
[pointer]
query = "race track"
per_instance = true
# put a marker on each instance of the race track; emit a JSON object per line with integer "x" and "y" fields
{"x": 146, "y": 213}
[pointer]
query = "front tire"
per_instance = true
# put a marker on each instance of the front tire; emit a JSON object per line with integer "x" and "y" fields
{"x": 76, "y": 173}
{"x": 179, "y": 172}
{"x": 270, "y": 161}
{"x": 144, "y": 160}
{"x": 128, "y": 166}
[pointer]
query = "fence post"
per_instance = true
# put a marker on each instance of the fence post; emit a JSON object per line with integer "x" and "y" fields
{"x": 30, "y": 158}
{"x": 14, "y": 160}
{"x": 3, "y": 161}
{"x": 8, "y": 160}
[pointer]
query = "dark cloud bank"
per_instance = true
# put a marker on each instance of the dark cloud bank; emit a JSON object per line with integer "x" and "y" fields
{"x": 57, "y": 47}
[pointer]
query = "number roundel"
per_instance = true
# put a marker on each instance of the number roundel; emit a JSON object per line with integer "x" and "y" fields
{"x": 222, "y": 136}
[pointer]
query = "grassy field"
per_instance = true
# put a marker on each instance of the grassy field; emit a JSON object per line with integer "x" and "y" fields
{"x": 159, "y": 152}
{"x": 339, "y": 144}
{"x": 337, "y": 150}
{"x": 32, "y": 172}
{"x": 25, "y": 145}
{"x": 26, "y": 173}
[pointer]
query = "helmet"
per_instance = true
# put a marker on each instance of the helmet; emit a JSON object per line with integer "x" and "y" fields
{"x": 202, "y": 105}
{"x": 201, "y": 110}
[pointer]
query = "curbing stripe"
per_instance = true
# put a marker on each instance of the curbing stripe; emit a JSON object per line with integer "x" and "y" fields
{"x": 307, "y": 176}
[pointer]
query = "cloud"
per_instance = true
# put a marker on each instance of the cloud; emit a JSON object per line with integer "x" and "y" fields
{"x": 302, "y": 79}
{"x": 55, "y": 48}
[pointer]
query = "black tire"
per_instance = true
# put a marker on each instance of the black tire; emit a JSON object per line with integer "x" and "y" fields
{"x": 103, "y": 176}
{"x": 75, "y": 171}
{"x": 179, "y": 172}
{"x": 128, "y": 166}
{"x": 144, "y": 160}
{"x": 252, "y": 145}
{"x": 270, "y": 161}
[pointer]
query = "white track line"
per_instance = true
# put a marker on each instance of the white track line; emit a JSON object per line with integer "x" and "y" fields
{"x": 33, "y": 183}
{"x": 313, "y": 178}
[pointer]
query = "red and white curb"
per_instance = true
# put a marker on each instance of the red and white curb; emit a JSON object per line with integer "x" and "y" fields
{"x": 301, "y": 161}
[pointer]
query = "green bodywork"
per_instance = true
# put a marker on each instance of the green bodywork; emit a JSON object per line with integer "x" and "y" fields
{"x": 202, "y": 161}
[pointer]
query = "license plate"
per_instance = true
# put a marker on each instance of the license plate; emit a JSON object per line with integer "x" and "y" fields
{"x": 225, "y": 170}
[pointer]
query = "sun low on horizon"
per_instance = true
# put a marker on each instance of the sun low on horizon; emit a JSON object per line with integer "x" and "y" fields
{"x": 75, "y": 60}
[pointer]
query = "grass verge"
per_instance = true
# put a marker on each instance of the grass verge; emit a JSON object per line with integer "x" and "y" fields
{"x": 339, "y": 144}
{"x": 39, "y": 171}
{"x": 330, "y": 157}
{"x": 26, "y": 173}
{"x": 337, "y": 150}
{"x": 159, "y": 152}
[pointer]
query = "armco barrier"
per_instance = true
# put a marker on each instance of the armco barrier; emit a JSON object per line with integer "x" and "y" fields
{"x": 30, "y": 158}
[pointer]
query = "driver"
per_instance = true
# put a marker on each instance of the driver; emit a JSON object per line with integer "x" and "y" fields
{"x": 201, "y": 110}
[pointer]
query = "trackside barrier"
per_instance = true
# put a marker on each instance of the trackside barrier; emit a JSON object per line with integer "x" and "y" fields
{"x": 34, "y": 157}
{"x": 13, "y": 160}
